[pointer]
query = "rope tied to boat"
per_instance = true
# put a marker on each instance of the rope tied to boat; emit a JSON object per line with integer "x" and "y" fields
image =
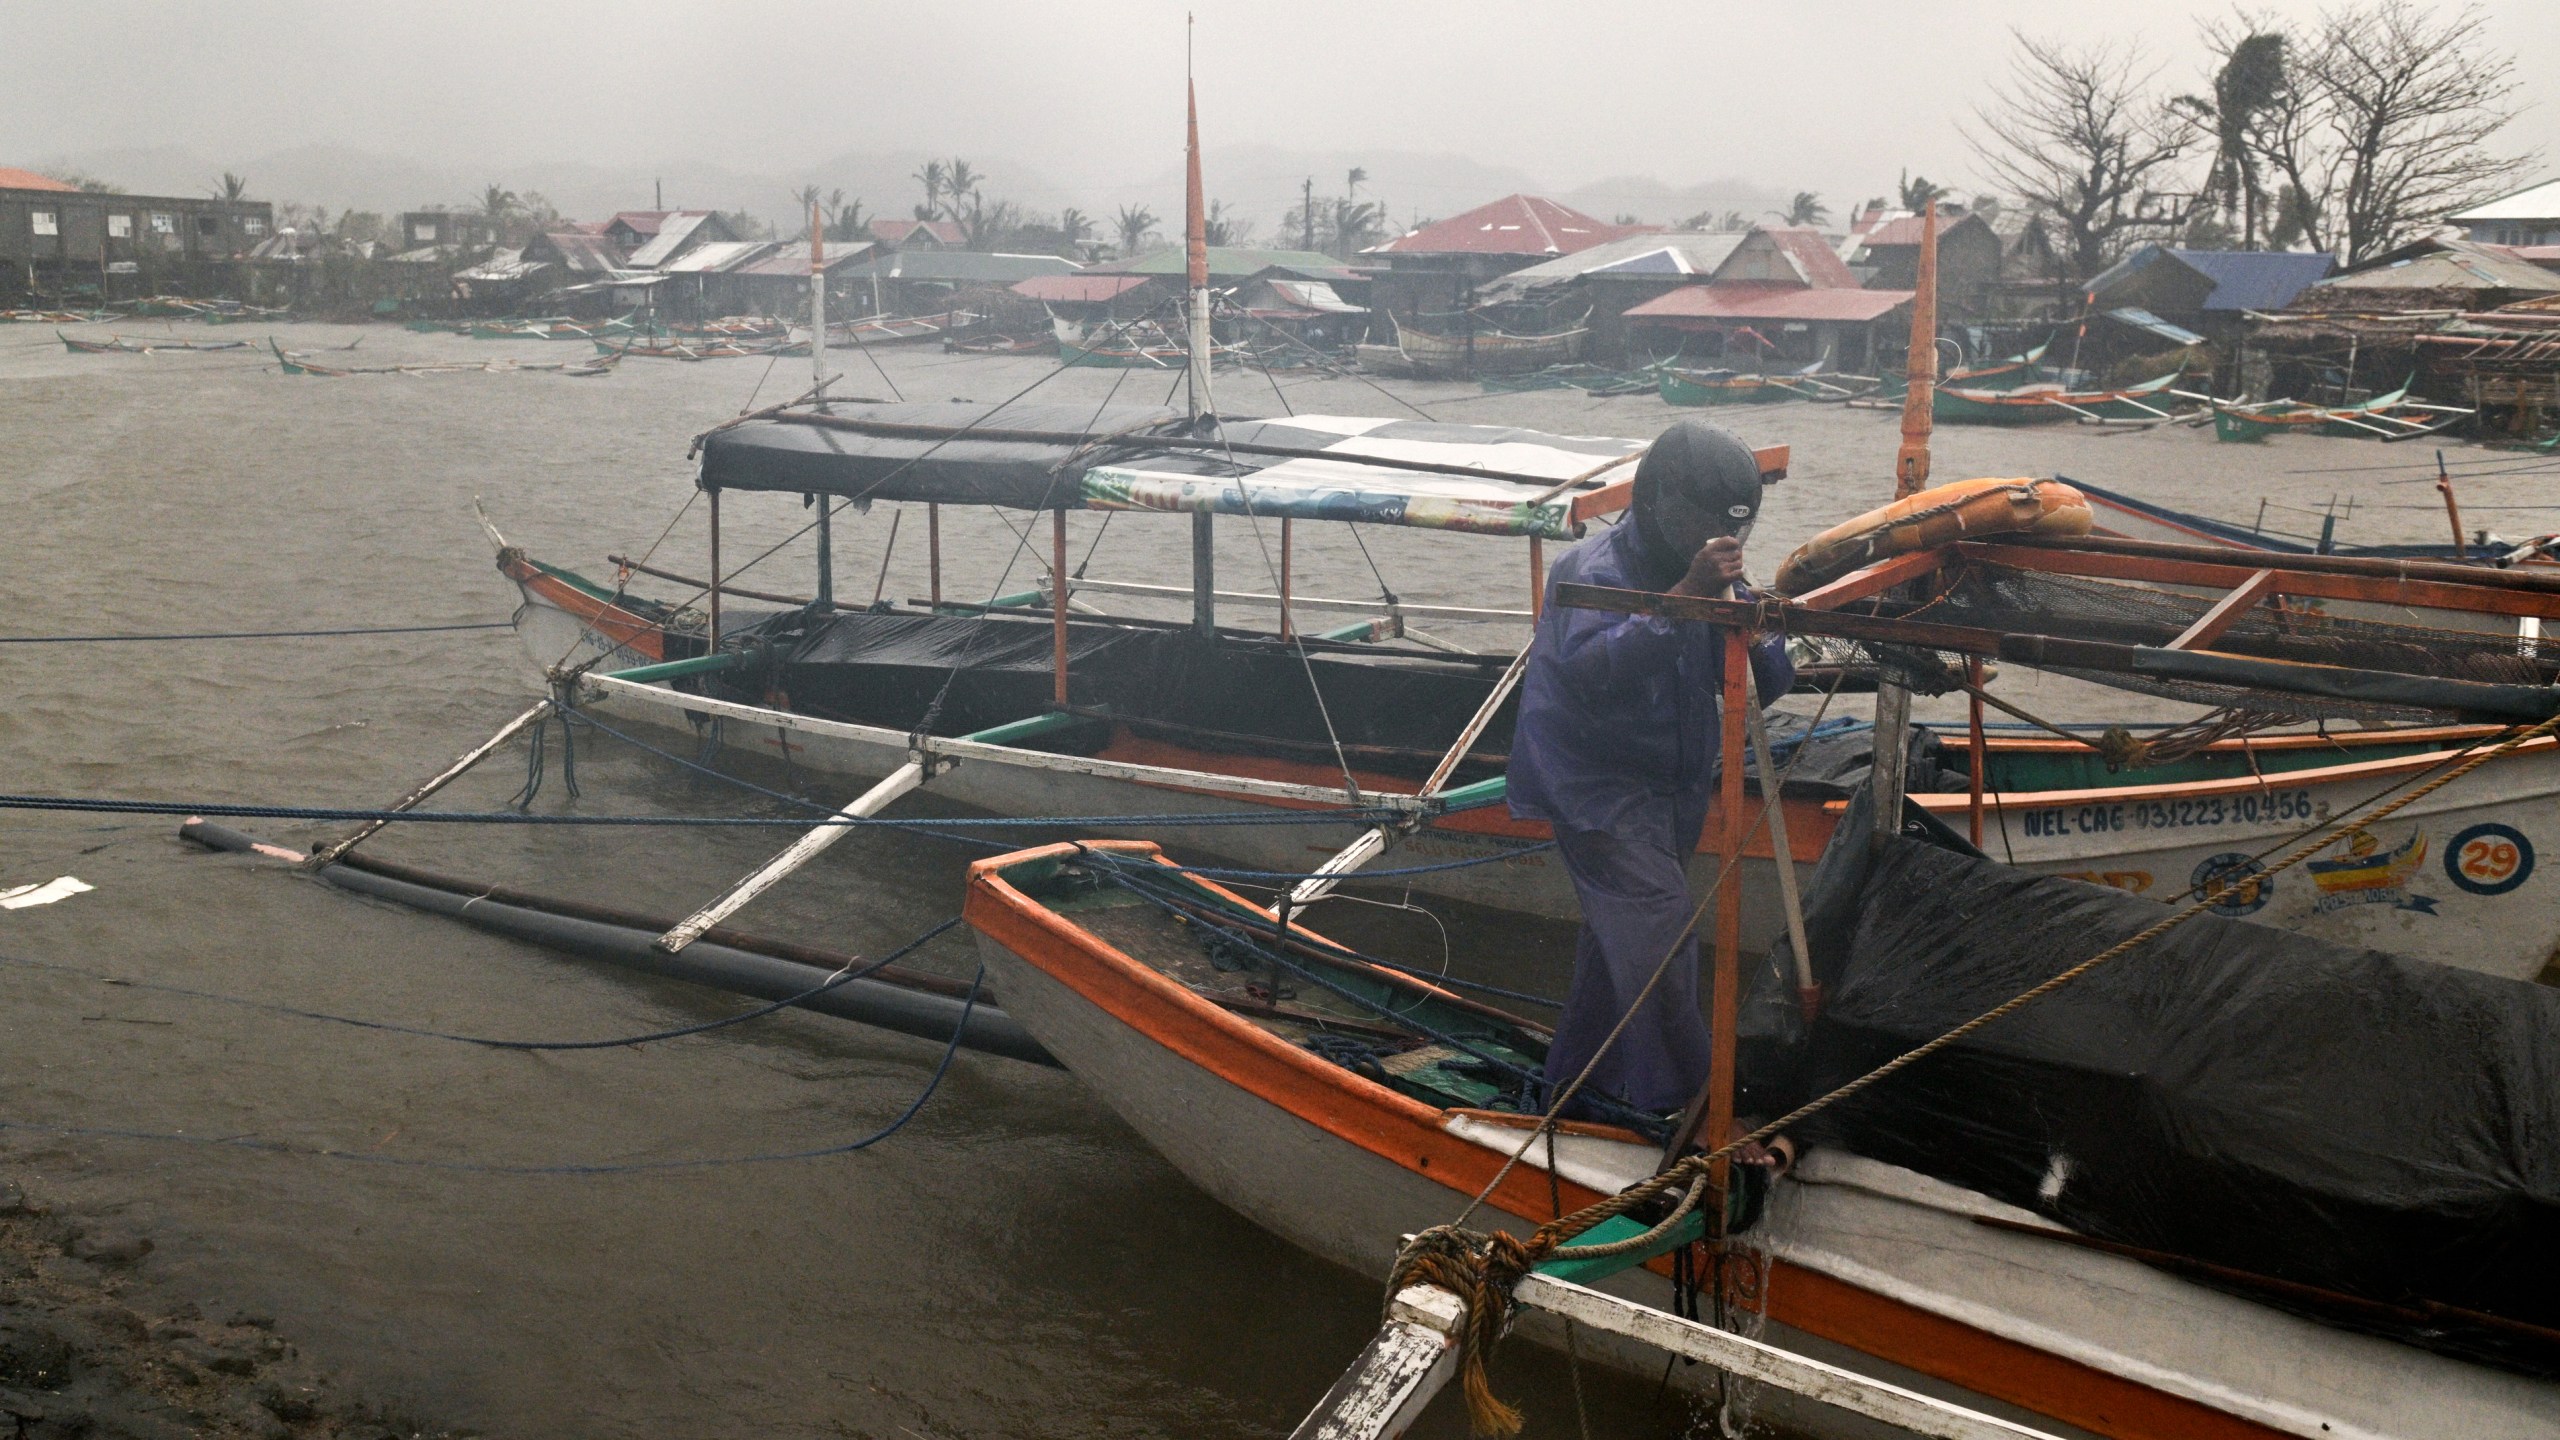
{"x": 1499, "y": 1260}
{"x": 1481, "y": 1270}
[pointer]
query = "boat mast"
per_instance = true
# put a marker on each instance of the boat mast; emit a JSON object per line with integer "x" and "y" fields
{"x": 818, "y": 388}
{"x": 1195, "y": 236}
{"x": 1910, "y": 476}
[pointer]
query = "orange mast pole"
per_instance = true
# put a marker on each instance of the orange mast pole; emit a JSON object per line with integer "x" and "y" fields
{"x": 1919, "y": 399}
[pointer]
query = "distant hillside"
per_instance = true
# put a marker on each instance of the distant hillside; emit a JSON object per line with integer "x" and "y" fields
{"x": 1260, "y": 183}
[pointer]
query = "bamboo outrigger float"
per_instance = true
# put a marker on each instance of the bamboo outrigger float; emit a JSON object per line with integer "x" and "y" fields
{"x": 2044, "y": 403}
{"x": 2387, "y": 417}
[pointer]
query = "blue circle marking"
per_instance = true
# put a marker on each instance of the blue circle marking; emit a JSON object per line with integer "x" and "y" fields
{"x": 2489, "y": 859}
{"x": 2246, "y": 897}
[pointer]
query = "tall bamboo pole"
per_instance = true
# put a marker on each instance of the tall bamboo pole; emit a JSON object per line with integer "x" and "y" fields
{"x": 1910, "y": 476}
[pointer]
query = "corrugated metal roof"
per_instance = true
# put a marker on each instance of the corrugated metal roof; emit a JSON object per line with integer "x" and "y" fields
{"x": 30, "y": 180}
{"x": 504, "y": 266}
{"x": 2256, "y": 279}
{"x": 2141, "y": 319}
{"x": 1512, "y": 225}
{"x": 1085, "y": 289}
{"x": 893, "y": 231}
{"x": 1732, "y": 301}
{"x": 718, "y": 257}
{"x": 584, "y": 252}
{"x": 791, "y": 259}
{"x": 673, "y": 230}
{"x": 649, "y": 222}
{"x": 1314, "y": 295}
{"x": 2444, "y": 265}
{"x": 1815, "y": 262}
{"x": 963, "y": 266}
{"x": 2541, "y": 202}
{"x": 1233, "y": 262}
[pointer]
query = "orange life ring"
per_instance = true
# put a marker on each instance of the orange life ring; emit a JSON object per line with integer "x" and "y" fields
{"x": 1942, "y": 515}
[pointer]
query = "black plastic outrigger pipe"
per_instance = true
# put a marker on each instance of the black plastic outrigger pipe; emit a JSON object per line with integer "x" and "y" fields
{"x": 889, "y": 1005}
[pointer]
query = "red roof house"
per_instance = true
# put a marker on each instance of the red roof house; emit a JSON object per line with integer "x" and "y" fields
{"x": 1781, "y": 294}
{"x": 1528, "y": 226}
{"x": 30, "y": 180}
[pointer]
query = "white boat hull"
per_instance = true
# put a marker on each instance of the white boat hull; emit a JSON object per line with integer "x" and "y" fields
{"x": 1872, "y": 1226}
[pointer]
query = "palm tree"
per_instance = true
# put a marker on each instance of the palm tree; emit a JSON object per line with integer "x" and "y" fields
{"x": 1806, "y": 209}
{"x": 2250, "y": 83}
{"x": 1918, "y": 191}
{"x": 1135, "y": 223}
{"x": 232, "y": 189}
{"x": 1357, "y": 224}
{"x": 961, "y": 183}
{"x": 934, "y": 179}
{"x": 1074, "y": 226}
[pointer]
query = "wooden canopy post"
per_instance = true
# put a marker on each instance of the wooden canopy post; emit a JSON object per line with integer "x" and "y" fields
{"x": 1058, "y": 601}
{"x": 1537, "y": 578}
{"x": 1287, "y": 629}
{"x": 1725, "y": 1000}
{"x": 715, "y": 569}
{"x": 933, "y": 550}
{"x": 1910, "y": 477}
{"x": 1973, "y": 730}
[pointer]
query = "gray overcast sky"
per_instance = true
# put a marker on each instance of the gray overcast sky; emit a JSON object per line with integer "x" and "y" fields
{"x": 1835, "y": 97}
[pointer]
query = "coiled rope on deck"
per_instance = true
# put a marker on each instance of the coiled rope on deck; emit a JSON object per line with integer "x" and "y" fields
{"x": 1499, "y": 1260}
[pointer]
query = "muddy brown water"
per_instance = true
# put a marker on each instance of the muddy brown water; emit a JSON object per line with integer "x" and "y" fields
{"x": 1015, "y": 1262}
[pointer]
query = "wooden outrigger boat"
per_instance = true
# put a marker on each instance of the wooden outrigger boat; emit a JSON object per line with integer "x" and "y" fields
{"x": 2045, "y": 403}
{"x": 886, "y": 329}
{"x": 118, "y": 345}
{"x": 1340, "y": 1104}
{"x": 1727, "y": 387}
{"x": 2390, "y": 416}
{"x": 689, "y": 350}
{"x": 2024, "y": 368}
{"x": 1488, "y": 351}
{"x": 295, "y": 362}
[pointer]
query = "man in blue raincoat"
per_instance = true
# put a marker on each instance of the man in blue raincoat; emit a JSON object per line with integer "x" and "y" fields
{"x": 1617, "y": 748}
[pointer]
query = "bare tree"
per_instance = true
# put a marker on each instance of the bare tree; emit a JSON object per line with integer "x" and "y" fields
{"x": 2074, "y": 133}
{"x": 2407, "y": 103}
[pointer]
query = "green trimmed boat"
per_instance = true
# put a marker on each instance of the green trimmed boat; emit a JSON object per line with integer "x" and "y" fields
{"x": 1725, "y": 387}
{"x": 2048, "y": 403}
{"x": 2374, "y": 419}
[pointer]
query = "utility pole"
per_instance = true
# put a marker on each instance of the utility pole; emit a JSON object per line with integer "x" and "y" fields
{"x": 1307, "y": 214}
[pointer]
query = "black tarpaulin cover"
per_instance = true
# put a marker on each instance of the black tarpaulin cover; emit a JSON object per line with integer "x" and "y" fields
{"x": 2364, "y": 1123}
{"x": 963, "y": 470}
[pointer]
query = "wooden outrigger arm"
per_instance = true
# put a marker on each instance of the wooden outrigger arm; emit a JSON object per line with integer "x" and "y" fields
{"x": 455, "y": 771}
{"x": 1374, "y": 843}
{"x": 1414, "y": 1355}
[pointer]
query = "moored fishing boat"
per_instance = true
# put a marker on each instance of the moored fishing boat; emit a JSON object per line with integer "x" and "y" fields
{"x": 1341, "y": 1104}
{"x": 2046, "y": 403}
{"x": 2389, "y": 416}
{"x": 1490, "y": 351}
{"x": 1730, "y": 387}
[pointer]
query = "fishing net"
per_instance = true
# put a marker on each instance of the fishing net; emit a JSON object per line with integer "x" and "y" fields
{"x": 2359, "y": 636}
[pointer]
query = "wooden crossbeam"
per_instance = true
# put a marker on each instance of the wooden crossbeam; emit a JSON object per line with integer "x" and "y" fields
{"x": 2226, "y": 612}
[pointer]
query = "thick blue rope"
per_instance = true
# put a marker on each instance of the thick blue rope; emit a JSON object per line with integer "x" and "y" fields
{"x": 628, "y": 1167}
{"x": 840, "y": 978}
{"x": 252, "y": 634}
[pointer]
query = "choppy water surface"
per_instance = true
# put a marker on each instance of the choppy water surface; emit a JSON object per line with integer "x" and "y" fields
{"x": 1014, "y": 1263}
